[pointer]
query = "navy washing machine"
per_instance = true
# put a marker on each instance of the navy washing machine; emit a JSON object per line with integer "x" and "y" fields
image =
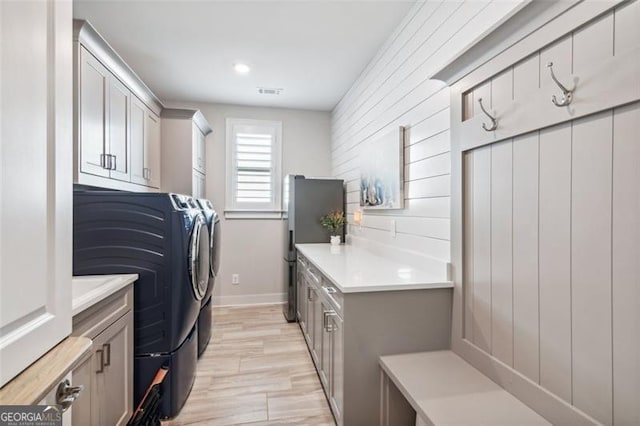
{"x": 163, "y": 238}
{"x": 204, "y": 318}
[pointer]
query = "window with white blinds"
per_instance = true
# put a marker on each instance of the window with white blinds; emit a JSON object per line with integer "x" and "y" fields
{"x": 253, "y": 165}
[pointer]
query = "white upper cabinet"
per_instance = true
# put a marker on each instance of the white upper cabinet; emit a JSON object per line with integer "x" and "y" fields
{"x": 184, "y": 133}
{"x": 117, "y": 119}
{"x": 119, "y": 105}
{"x": 145, "y": 145}
{"x": 152, "y": 149}
{"x": 35, "y": 179}
{"x": 92, "y": 123}
{"x": 138, "y": 114}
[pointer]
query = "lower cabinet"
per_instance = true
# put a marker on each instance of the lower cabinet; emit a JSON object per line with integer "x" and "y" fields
{"x": 107, "y": 376}
{"x": 377, "y": 323}
{"x": 316, "y": 326}
{"x": 336, "y": 388}
{"x": 322, "y": 327}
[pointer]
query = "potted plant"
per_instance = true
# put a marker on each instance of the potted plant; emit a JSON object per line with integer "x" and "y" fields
{"x": 334, "y": 221}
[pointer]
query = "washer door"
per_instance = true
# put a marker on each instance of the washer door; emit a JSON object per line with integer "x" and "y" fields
{"x": 199, "y": 258}
{"x": 214, "y": 248}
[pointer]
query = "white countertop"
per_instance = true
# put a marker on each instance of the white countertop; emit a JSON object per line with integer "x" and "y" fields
{"x": 88, "y": 290}
{"x": 354, "y": 269}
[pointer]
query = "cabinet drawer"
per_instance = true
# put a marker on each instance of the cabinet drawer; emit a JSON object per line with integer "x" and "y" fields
{"x": 333, "y": 295}
{"x": 97, "y": 318}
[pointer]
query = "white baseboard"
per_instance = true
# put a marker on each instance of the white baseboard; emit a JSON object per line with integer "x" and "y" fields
{"x": 250, "y": 299}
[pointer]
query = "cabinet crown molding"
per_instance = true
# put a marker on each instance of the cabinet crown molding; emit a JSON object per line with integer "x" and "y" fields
{"x": 85, "y": 34}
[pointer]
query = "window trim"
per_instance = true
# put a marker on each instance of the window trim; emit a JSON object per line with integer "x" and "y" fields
{"x": 235, "y": 210}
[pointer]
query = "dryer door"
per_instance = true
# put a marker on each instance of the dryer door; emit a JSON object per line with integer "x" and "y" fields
{"x": 199, "y": 257}
{"x": 214, "y": 248}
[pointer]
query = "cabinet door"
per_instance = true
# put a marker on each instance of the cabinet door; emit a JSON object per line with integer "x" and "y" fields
{"x": 198, "y": 185}
{"x": 118, "y": 130}
{"x": 336, "y": 380}
{"x": 198, "y": 149}
{"x": 114, "y": 375}
{"x": 82, "y": 375}
{"x": 317, "y": 328}
{"x": 35, "y": 164}
{"x": 308, "y": 314}
{"x": 325, "y": 356}
{"x": 136, "y": 141}
{"x": 93, "y": 114}
{"x": 302, "y": 299}
{"x": 152, "y": 148}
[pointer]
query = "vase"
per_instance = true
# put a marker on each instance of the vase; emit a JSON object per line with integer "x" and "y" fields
{"x": 335, "y": 240}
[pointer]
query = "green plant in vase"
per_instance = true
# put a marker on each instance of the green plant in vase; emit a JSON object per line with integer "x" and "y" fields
{"x": 334, "y": 222}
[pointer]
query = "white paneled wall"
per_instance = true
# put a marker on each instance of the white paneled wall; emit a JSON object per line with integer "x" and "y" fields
{"x": 552, "y": 235}
{"x": 395, "y": 90}
{"x": 551, "y": 280}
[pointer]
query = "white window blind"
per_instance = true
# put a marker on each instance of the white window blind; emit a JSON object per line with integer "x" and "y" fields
{"x": 253, "y": 165}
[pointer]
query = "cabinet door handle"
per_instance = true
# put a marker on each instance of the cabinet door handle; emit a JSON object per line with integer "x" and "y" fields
{"x": 309, "y": 295}
{"x": 107, "y": 348}
{"x": 325, "y": 320}
{"x": 113, "y": 166}
{"x": 103, "y": 162}
{"x": 101, "y": 369}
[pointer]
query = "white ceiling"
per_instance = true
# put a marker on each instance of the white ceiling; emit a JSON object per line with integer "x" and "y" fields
{"x": 185, "y": 50}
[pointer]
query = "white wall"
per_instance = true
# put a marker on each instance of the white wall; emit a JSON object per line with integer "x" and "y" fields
{"x": 395, "y": 90}
{"x": 254, "y": 248}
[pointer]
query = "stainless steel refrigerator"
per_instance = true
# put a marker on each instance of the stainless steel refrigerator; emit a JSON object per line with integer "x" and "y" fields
{"x": 305, "y": 201}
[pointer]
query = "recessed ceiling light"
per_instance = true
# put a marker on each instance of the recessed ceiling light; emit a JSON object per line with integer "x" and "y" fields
{"x": 241, "y": 68}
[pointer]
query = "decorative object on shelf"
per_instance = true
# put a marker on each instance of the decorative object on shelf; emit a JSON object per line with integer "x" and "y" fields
{"x": 494, "y": 121}
{"x": 382, "y": 172}
{"x": 333, "y": 221}
{"x": 567, "y": 95}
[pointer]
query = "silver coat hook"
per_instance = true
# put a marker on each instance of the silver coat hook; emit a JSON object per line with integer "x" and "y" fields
{"x": 494, "y": 122}
{"x": 567, "y": 95}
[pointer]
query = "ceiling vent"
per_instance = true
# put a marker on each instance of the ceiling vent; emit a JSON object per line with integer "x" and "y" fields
{"x": 269, "y": 91}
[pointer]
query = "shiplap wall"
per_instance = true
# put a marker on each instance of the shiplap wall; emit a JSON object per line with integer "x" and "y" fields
{"x": 394, "y": 90}
{"x": 552, "y": 234}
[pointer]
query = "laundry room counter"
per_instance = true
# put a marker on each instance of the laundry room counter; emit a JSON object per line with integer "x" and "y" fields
{"x": 354, "y": 269}
{"x": 89, "y": 290}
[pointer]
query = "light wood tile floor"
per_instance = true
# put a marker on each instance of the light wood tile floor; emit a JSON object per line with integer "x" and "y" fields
{"x": 255, "y": 371}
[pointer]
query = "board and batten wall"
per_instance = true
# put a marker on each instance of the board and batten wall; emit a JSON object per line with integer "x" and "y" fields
{"x": 395, "y": 90}
{"x": 551, "y": 226}
{"x": 252, "y": 248}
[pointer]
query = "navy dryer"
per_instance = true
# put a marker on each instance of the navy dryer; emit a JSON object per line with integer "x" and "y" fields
{"x": 204, "y": 318}
{"x": 164, "y": 239}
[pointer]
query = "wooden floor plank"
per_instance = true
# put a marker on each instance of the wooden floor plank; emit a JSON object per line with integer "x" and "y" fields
{"x": 255, "y": 371}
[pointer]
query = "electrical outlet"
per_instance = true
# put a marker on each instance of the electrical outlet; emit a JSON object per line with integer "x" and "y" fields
{"x": 235, "y": 279}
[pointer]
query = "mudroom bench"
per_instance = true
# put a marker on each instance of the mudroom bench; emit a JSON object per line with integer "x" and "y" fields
{"x": 440, "y": 388}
